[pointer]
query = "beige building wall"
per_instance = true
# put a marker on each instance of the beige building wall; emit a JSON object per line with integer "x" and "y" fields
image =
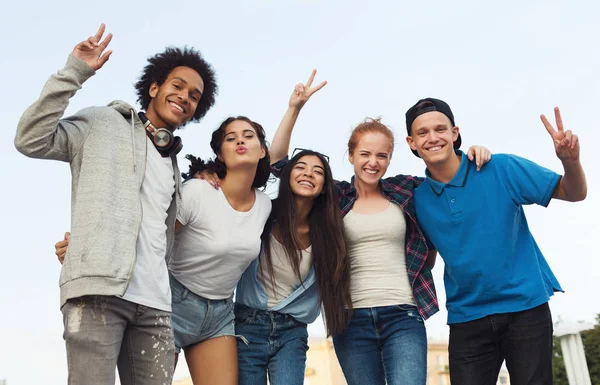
{"x": 322, "y": 366}
{"x": 187, "y": 381}
{"x": 437, "y": 365}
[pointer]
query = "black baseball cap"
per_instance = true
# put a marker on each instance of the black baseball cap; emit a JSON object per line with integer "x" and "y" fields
{"x": 428, "y": 105}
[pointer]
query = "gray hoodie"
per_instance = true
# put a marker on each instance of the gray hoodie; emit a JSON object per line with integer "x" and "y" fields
{"x": 106, "y": 148}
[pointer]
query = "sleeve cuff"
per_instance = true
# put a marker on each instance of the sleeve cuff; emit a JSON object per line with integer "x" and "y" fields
{"x": 79, "y": 68}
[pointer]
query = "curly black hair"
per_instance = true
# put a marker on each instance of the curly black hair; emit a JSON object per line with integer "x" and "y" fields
{"x": 160, "y": 66}
{"x": 216, "y": 166}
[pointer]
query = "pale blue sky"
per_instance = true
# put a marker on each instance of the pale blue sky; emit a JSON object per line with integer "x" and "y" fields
{"x": 498, "y": 65}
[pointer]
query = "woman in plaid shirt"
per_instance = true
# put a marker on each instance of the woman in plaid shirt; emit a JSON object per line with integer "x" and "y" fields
{"x": 391, "y": 282}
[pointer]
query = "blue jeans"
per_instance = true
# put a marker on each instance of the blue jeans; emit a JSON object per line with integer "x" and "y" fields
{"x": 383, "y": 345}
{"x": 277, "y": 345}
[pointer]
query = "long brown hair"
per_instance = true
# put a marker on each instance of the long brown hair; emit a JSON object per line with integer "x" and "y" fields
{"x": 330, "y": 257}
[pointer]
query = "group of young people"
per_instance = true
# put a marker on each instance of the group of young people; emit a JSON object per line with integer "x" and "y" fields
{"x": 213, "y": 267}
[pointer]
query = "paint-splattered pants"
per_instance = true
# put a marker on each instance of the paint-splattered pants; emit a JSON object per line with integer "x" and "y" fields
{"x": 104, "y": 332}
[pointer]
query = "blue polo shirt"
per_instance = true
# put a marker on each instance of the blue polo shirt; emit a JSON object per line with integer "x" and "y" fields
{"x": 477, "y": 224}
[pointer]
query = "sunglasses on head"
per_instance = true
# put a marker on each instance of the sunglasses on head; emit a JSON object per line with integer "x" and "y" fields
{"x": 297, "y": 150}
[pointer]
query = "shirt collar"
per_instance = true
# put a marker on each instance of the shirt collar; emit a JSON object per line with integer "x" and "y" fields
{"x": 459, "y": 178}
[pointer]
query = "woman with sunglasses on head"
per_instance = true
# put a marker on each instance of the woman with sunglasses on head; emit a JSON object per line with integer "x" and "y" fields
{"x": 303, "y": 266}
{"x": 392, "y": 290}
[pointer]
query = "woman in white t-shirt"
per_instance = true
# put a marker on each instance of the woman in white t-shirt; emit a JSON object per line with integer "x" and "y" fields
{"x": 217, "y": 237}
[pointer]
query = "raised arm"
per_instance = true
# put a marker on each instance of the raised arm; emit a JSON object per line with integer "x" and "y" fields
{"x": 572, "y": 186}
{"x": 41, "y": 133}
{"x": 281, "y": 141}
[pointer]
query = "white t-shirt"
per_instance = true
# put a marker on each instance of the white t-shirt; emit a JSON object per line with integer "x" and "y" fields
{"x": 149, "y": 284}
{"x": 378, "y": 258}
{"x": 285, "y": 279}
{"x": 216, "y": 243}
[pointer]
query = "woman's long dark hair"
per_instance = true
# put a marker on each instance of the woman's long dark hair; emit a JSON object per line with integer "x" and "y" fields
{"x": 263, "y": 170}
{"x": 330, "y": 257}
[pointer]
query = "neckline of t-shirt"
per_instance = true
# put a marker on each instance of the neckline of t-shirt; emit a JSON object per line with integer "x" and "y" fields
{"x": 374, "y": 214}
{"x": 240, "y": 213}
{"x": 307, "y": 250}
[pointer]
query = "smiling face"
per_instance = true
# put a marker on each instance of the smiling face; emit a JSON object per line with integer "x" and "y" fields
{"x": 241, "y": 145}
{"x": 174, "y": 102}
{"x": 307, "y": 177}
{"x": 433, "y": 137}
{"x": 371, "y": 157}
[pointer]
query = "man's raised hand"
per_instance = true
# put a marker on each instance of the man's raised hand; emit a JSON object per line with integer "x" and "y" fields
{"x": 303, "y": 92}
{"x": 92, "y": 51}
{"x": 566, "y": 144}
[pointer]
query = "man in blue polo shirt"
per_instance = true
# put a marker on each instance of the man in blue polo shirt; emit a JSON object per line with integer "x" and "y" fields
{"x": 497, "y": 281}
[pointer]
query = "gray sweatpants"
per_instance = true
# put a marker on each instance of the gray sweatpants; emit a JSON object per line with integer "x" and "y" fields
{"x": 102, "y": 332}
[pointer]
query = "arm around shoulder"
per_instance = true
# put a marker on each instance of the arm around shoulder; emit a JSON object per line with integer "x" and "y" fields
{"x": 431, "y": 257}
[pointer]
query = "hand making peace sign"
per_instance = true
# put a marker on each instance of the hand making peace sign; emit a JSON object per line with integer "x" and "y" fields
{"x": 303, "y": 92}
{"x": 91, "y": 50}
{"x": 566, "y": 144}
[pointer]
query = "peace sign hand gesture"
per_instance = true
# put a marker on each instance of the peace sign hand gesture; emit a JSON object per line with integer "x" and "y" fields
{"x": 303, "y": 92}
{"x": 566, "y": 144}
{"x": 91, "y": 50}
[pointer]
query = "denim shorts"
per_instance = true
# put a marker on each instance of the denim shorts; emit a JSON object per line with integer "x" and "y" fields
{"x": 197, "y": 319}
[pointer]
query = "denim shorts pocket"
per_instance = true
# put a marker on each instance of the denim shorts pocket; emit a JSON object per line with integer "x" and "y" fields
{"x": 411, "y": 311}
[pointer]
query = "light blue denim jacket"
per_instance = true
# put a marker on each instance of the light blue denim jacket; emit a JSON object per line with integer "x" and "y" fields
{"x": 302, "y": 304}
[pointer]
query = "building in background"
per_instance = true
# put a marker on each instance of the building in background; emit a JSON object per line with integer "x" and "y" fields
{"x": 438, "y": 365}
{"x": 322, "y": 365}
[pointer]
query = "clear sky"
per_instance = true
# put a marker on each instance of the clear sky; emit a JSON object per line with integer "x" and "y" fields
{"x": 499, "y": 65}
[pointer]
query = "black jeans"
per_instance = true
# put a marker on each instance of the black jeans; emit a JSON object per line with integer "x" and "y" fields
{"x": 524, "y": 339}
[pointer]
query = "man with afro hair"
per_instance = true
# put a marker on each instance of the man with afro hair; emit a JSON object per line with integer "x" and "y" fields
{"x": 114, "y": 284}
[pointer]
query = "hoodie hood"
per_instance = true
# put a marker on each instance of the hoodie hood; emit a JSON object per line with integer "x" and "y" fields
{"x": 122, "y": 107}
